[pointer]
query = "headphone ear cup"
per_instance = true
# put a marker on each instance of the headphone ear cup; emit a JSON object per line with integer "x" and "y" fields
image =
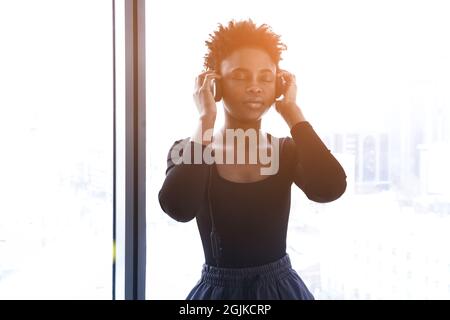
{"x": 278, "y": 87}
{"x": 217, "y": 90}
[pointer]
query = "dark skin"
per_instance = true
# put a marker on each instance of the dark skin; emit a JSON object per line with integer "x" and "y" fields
{"x": 248, "y": 77}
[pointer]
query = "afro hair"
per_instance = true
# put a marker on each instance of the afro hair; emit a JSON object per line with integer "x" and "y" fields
{"x": 240, "y": 34}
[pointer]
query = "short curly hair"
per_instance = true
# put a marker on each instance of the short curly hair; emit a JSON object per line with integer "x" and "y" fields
{"x": 240, "y": 34}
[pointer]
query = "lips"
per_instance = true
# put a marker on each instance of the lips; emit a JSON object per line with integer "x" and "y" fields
{"x": 253, "y": 103}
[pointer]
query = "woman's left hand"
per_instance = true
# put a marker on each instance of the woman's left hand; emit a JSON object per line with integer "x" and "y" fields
{"x": 287, "y": 106}
{"x": 289, "y": 93}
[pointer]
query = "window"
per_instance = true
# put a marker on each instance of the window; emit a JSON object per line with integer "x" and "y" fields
{"x": 373, "y": 81}
{"x": 369, "y": 164}
{"x": 56, "y": 162}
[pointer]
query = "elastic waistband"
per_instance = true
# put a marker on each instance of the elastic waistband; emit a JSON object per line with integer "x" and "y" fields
{"x": 273, "y": 271}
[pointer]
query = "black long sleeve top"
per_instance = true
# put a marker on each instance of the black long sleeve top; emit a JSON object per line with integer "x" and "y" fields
{"x": 251, "y": 218}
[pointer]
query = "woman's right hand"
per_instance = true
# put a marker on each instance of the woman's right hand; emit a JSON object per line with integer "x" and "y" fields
{"x": 203, "y": 95}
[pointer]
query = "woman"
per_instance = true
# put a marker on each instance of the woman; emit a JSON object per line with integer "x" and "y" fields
{"x": 242, "y": 211}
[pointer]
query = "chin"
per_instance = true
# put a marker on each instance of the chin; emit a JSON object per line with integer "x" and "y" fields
{"x": 248, "y": 114}
{"x": 251, "y": 117}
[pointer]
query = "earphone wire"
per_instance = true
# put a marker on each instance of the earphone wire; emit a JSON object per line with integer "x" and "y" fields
{"x": 213, "y": 225}
{"x": 214, "y": 235}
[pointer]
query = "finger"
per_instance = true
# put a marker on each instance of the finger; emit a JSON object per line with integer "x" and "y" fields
{"x": 201, "y": 78}
{"x": 208, "y": 78}
{"x": 289, "y": 77}
{"x": 285, "y": 73}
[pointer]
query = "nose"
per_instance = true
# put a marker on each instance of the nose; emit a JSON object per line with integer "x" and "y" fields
{"x": 254, "y": 89}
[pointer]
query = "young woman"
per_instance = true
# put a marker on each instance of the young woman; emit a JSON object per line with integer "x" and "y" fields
{"x": 242, "y": 211}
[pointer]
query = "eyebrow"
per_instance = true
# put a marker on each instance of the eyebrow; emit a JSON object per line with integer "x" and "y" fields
{"x": 247, "y": 70}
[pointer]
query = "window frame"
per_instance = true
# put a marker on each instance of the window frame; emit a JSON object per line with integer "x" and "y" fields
{"x": 129, "y": 150}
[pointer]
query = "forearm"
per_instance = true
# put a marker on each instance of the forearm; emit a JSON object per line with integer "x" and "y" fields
{"x": 204, "y": 130}
{"x": 292, "y": 114}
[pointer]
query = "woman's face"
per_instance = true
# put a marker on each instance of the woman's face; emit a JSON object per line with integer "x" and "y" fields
{"x": 248, "y": 83}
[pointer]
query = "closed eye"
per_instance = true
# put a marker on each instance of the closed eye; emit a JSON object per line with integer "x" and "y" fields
{"x": 267, "y": 78}
{"x": 238, "y": 76}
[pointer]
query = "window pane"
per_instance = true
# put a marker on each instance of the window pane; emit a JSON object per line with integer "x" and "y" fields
{"x": 377, "y": 94}
{"x": 56, "y": 146}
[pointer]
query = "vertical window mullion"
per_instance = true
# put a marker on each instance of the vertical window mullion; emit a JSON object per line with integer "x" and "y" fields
{"x": 131, "y": 220}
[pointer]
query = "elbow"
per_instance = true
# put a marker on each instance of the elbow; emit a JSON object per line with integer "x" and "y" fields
{"x": 327, "y": 192}
{"x": 174, "y": 208}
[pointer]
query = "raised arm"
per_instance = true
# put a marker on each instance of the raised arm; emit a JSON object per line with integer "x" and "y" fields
{"x": 315, "y": 170}
{"x": 184, "y": 189}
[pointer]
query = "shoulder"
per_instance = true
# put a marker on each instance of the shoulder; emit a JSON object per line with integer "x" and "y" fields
{"x": 175, "y": 152}
{"x": 182, "y": 141}
{"x": 300, "y": 131}
{"x": 179, "y": 144}
{"x": 285, "y": 144}
{"x": 285, "y": 147}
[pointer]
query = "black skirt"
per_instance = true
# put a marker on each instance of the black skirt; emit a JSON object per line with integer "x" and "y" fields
{"x": 273, "y": 281}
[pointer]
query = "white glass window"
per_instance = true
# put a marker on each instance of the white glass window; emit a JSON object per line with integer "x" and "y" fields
{"x": 56, "y": 135}
{"x": 373, "y": 80}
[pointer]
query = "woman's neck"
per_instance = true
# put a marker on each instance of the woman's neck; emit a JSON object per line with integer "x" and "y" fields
{"x": 222, "y": 140}
{"x": 234, "y": 124}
